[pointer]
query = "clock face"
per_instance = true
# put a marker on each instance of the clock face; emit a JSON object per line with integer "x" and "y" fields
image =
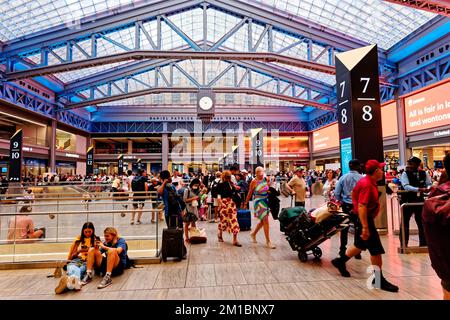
{"x": 205, "y": 103}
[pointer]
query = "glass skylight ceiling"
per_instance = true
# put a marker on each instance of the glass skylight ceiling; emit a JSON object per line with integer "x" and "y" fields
{"x": 373, "y": 21}
{"x": 23, "y": 17}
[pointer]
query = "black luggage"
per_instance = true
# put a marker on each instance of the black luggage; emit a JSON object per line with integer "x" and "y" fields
{"x": 173, "y": 243}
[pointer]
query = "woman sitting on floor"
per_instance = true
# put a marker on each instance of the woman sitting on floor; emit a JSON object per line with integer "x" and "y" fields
{"x": 78, "y": 253}
{"x": 113, "y": 264}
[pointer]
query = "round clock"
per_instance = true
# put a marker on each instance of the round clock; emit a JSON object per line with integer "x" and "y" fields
{"x": 205, "y": 103}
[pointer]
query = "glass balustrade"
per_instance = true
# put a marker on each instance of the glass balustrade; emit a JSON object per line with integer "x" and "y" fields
{"x": 63, "y": 213}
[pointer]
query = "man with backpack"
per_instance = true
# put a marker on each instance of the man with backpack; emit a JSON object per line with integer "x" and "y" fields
{"x": 173, "y": 203}
{"x": 140, "y": 186}
{"x": 436, "y": 215}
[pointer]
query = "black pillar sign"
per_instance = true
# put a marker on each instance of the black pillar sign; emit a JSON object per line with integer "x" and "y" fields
{"x": 235, "y": 155}
{"x": 226, "y": 162}
{"x": 90, "y": 161}
{"x": 257, "y": 149}
{"x": 359, "y": 110}
{"x": 15, "y": 157}
{"x": 120, "y": 165}
{"x": 139, "y": 164}
{"x": 359, "y": 113}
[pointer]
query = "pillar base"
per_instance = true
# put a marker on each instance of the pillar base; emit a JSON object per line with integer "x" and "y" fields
{"x": 413, "y": 250}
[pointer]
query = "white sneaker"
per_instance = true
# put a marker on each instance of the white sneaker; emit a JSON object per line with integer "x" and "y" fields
{"x": 76, "y": 284}
{"x": 71, "y": 282}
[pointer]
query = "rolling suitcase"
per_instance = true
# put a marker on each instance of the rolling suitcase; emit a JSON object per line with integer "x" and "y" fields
{"x": 244, "y": 219}
{"x": 173, "y": 242}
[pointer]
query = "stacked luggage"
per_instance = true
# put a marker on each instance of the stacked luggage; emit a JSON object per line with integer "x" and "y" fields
{"x": 304, "y": 235}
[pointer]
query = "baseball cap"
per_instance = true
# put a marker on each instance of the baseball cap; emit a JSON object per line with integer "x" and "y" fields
{"x": 373, "y": 164}
{"x": 414, "y": 160}
{"x": 244, "y": 171}
{"x": 298, "y": 169}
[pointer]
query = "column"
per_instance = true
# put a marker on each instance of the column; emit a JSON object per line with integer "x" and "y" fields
{"x": 51, "y": 138}
{"x": 241, "y": 143}
{"x": 404, "y": 152}
{"x": 130, "y": 151}
{"x": 165, "y": 151}
{"x": 312, "y": 161}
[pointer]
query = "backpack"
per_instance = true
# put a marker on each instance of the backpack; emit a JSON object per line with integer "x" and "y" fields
{"x": 436, "y": 209}
{"x": 283, "y": 189}
{"x": 214, "y": 191}
{"x": 135, "y": 183}
{"x": 174, "y": 201}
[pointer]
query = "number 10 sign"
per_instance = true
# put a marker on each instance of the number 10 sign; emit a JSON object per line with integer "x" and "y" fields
{"x": 15, "y": 157}
{"x": 358, "y": 102}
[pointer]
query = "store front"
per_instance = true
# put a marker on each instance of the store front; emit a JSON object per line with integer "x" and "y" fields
{"x": 66, "y": 168}
{"x": 35, "y": 167}
{"x": 432, "y": 156}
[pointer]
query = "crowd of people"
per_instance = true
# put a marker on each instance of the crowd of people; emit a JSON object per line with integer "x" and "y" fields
{"x": 217, "y": 196}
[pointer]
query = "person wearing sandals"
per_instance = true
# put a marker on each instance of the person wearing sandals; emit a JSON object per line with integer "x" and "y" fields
{"x": 191, "y": 197}
{"x": 260, "y": 188}
{"x": 227, "y": 209}
{"x": 78, "y": 253}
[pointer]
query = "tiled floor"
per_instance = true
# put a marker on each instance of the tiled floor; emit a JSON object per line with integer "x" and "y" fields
{"x": 220, "y": 271}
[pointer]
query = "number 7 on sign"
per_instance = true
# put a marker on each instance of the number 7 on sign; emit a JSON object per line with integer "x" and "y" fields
{"x": 367, "y": 80}
{"x": 342, "y": 85}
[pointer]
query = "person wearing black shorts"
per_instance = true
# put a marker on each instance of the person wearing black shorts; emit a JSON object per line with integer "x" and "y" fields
{"x": 108, "y": 258}
{"x": 365, "y": 201}
{"x": 140, "y": 186}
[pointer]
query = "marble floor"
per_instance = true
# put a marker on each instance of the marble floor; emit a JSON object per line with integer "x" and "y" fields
{"x": 220, "y": 271}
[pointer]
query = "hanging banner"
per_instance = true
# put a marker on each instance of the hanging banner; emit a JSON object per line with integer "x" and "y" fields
{"x": 15, "y": 157}
{"x": 120, "y": 165}
{"x": 257, "y": 149}
{"x": 90, "y": 161}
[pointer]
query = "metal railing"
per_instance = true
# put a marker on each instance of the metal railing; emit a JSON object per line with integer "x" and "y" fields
{"x": 63, "y": 215}
{"x": 403, "y": 246}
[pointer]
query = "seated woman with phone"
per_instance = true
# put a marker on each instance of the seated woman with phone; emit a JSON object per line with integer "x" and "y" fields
{"x": 78, "y": 253}
{"x": 115, "y": 261}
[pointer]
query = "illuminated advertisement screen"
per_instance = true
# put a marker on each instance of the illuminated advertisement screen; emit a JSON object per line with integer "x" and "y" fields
{"x": 389, "y": 119}
{"x": 428, "y": 109}
{"x": 346, "y": 154}
{"x": 326, "y": 138}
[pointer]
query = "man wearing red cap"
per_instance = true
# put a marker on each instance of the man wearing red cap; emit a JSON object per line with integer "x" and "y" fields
{"x": 365, "y": 201}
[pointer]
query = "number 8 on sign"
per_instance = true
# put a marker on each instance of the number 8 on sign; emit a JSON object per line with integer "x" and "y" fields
{"x": 344, "y": 116}
{"x": 367, "y": 115}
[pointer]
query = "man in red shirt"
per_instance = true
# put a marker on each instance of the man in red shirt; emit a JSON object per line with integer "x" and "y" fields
{"x": 365, "y": 200}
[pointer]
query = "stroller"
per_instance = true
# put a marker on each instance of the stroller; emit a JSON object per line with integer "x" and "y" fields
{"x": 305, "y": 232}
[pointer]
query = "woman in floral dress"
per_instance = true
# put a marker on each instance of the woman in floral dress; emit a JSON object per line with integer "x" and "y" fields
{"x": 227, "y": 209}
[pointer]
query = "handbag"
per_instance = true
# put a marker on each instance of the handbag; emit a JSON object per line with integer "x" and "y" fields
{"x": 236, "y": 197}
